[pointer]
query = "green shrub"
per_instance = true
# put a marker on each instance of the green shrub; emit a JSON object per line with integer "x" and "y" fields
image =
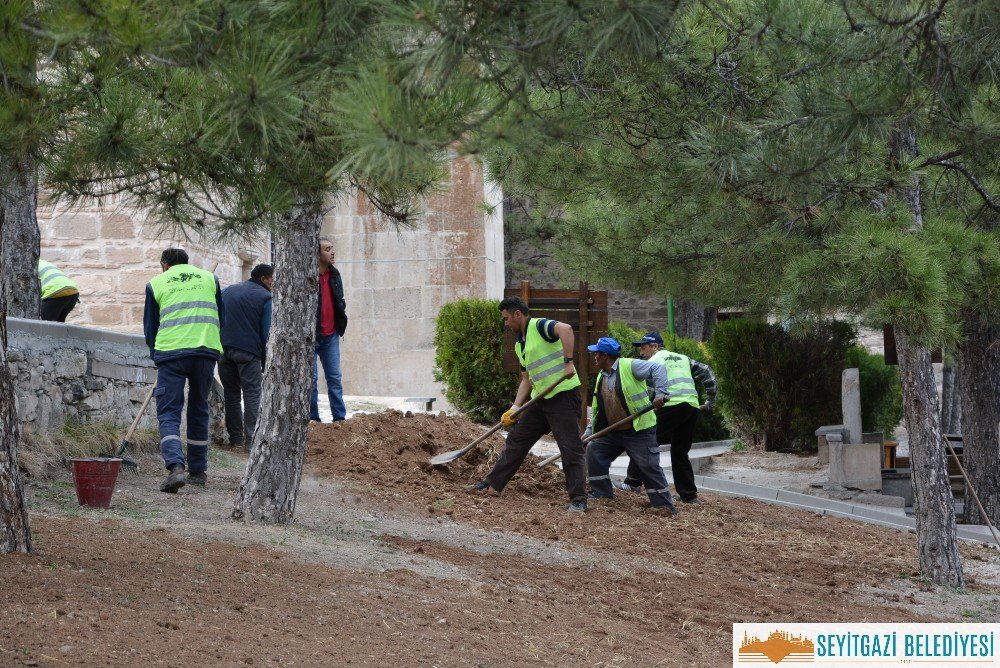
{"x": 775, "y": 389}
{"x": 711, "y": 426}
{"x": 468, "y": 341}
{"x": 881, "y": 391}
{"x": 624, "y": 335}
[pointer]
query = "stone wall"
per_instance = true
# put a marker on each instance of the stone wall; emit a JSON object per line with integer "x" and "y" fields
{"x": 111, "y": 252}
{"x": 396, "y": 281}
{"x": 69, "y": 373}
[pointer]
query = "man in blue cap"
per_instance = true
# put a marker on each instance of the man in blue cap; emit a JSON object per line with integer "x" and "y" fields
{"x": 621, "y": 390}
{"x": 677, "y": 419}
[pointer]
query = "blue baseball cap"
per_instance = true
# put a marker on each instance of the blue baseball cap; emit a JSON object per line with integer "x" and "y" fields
{"x": 649, "y": 337}
{"x": 606, "y": 345}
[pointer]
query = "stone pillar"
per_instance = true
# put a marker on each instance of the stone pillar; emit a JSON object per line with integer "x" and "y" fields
{"x": 850, "y": 398}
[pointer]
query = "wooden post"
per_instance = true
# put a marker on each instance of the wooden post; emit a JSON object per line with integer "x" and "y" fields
{"x": 526, "y": 292}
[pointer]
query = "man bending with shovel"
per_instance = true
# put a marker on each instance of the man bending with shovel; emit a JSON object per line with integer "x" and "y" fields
{"x": 620, "y": 392}
{"x": 545, "y": 349}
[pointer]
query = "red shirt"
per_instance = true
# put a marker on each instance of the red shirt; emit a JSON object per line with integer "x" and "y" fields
{"x": 326, "y": 323}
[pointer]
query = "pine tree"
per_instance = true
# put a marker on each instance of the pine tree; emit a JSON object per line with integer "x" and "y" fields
{"x": 767, "y": 158}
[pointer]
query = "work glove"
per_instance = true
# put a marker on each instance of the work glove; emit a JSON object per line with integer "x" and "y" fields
{"x": 508, "y": 419}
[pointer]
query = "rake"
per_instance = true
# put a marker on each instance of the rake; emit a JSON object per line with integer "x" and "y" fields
{"x": 131, "y": 465}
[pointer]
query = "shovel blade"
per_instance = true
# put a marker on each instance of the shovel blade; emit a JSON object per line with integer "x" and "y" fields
{"x": 446, "y": 457}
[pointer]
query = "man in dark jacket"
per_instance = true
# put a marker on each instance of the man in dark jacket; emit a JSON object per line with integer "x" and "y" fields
{"x": 331, "y": 323}
{"x": 245, "y": 328}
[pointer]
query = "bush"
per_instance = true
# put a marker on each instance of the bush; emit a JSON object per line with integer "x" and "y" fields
{"x": 775, "y": 389}
{"x": 710, "y": 424}
{"x": 468, "y": 341}
{"x": 881, "y": 391}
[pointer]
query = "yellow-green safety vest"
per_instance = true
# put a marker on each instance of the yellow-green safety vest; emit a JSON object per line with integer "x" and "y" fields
{"x": 52, "y": 279}
{"x": 543, "y": 360}
{"x": 636, "y": 396}
{"x": 680, "y": 382}
{"x": 189, "y": 314}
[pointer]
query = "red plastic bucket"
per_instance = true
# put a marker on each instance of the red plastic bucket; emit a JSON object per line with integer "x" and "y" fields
{"x": 94, "y": 478}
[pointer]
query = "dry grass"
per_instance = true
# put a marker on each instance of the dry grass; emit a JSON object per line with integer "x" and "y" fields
{"x": 41, "y": 454}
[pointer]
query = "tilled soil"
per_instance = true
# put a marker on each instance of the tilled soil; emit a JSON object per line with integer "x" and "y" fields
{"x": 390, "y": 562}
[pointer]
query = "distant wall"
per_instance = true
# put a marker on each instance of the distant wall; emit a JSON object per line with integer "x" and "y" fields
{"x": 112, "y": 251}
{"x": 397, "y": 281}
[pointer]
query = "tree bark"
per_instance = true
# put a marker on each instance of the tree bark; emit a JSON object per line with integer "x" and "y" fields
{"x": 711, "y": 320}
{"x": 270, "y": 484}
{"x": 16, "y": 534}
{"x": 19, "y": 253}
{"x": 979, "y": 389}
{"x": 937, "y": 543}
{"x": 689, "y": 318}
{"x": 951, "y": 405}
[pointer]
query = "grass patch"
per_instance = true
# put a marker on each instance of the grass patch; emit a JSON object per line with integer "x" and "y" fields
{"x": 42, "y": 453}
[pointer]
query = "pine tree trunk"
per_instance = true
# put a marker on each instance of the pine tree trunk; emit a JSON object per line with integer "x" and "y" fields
{"x": 689, "y": 318}
{"x": 979, "y": 389}
{"x": 949, "y": 392}
{"x": 16, "y": 534}
{"x": 937, "y": 543}
{"x": 19, "y": 253}
{"x": 274, "y": 468}
{"x": 711, "y": 320}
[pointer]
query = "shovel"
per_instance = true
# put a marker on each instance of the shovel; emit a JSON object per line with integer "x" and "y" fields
{"x": 445, "y": 457}
{"x": 558, "y": 455}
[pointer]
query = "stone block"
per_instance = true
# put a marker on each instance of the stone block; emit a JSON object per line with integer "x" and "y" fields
{"x": 898, "y": 483}
{"x": 132, "y": 374}
{"x": 106, "y": 314}
{"x": 850, "y": 397}
{"x": 822, "y": 442}
{"x": 123, "y": 254}
{"x": 70, "y": 363}
{"x": 856, "y": 465}
{"x": 397, "y": 303}
{"x": 74, "y": 227}
{"x": 27, "y": 406}
{"x": 133, "y": 281}
{"x": 117, "y": 226}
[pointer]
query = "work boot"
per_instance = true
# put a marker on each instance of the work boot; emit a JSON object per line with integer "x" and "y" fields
{"x": 174, "y": 481}
{"x": 237, "y": 442}
{"x": 481, "y": 487}
{"x": 578, "y": 506}
{"x": 595, "y": 495}
{"x": 198, "y": 479}
{"x": 694, "y": 500}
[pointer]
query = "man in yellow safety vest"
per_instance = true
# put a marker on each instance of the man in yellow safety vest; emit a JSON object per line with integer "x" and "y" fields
{"x": 181, "y": 322}
{"x": 545, "y": 350}
{"x": 59, "y": 292}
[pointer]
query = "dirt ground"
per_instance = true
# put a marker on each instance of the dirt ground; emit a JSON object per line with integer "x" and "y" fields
{"x": 389, "y": 562}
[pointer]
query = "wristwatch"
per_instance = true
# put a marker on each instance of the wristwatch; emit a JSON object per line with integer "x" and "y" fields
{"x": 567, "y": 360}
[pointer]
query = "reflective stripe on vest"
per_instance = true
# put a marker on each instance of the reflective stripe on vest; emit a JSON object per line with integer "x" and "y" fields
{"x": 636, "y": 396}
{"x": 680, "y": 382}
{"x": 189, "y": 314}
{"x": 543, "y": 360}
{"x": 52, "y": 279}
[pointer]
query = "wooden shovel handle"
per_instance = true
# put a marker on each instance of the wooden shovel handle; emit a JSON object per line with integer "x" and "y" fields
{"x": 626, "y": 420}
{"x": 138, "y": 416}
{"x": 495, "y": 428}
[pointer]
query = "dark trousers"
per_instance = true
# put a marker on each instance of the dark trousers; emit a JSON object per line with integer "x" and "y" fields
{"x": 170, "y": 378}
{"x": 643, "y": 454}
{"x": 559, "y": 414}
{"x": 675, "y": 425}
{"x": 57, "y": 308}
{"x": 242, "y": 374}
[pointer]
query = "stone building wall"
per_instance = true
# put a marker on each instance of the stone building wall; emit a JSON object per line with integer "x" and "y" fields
{"x": 396, "y": 281}
{"x": 111, "y": 252}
